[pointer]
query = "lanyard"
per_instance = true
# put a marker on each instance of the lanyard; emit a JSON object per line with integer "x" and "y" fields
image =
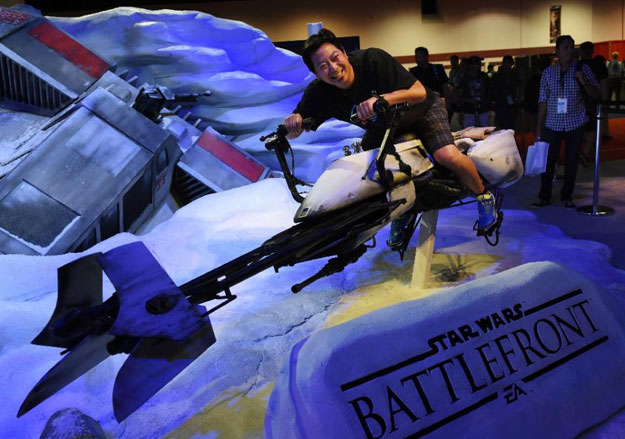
{"x": 562, "y": 73}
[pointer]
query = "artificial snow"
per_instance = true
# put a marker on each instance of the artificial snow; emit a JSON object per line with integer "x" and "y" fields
{"x": 256, "y": 331}
{"x": 224, "y": 393}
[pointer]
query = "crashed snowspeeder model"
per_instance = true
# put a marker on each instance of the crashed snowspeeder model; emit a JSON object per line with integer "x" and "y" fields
{"x": 163, "y": 326}
{"x": 106, "y": 160}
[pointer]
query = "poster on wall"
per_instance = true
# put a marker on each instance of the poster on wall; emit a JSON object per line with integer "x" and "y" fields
{"x": 554, "y": 22}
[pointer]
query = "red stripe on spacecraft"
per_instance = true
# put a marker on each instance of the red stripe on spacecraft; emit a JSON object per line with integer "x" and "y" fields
{"x": 69, "y": 49}
{"x": 231, "y": 156}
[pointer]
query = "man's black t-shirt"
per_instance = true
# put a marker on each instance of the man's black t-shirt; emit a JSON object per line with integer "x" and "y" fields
{"x": 374, "y": 70}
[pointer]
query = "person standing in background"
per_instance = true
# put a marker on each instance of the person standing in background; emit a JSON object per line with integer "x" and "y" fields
{"x": 615, "y": 76}
{"x": 474, "y": 94}
{"x": 532, "y": 90}
{"x": 599, "y": 69}
{"x": 506, "y": 94}
{"x": 433, "y": 76}
{"x": 455, "y": 75}
{"x": 562, "y": 116}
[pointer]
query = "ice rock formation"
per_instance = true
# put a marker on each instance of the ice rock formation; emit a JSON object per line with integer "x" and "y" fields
{"x": 254, "y": 84}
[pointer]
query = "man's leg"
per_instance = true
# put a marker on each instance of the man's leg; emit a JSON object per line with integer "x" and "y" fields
{"x": 468, "y": 120}
{"x": 435, "y": 134}
{"x": 484, "y": 119}
{"x": 587, "y": 150}
{"x": 613, "y": 84}
{"x": 436, "y": 137}
{"x": 573, "y": 141}
{"x": 462, "y": 166}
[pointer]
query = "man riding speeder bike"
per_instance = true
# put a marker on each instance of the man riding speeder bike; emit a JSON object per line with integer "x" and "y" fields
{"x": 344, "y": 86}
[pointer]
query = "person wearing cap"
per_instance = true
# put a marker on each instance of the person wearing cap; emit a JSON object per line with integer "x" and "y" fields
{"x": 562, "y": 116}
{"x": 615, "y": 76}
{"x": 475, "y": 94}
{"x": 344, "y": 85}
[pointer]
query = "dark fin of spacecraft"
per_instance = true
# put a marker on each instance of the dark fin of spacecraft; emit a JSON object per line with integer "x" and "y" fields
{"x": 79, "y": 288}
{"x": 86, "y": 355}
{"x": 154, "y": 363}
{"x": 150, "y": 304}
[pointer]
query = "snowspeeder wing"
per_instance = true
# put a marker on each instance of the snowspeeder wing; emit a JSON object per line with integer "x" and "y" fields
{"x": 153, "y": 321}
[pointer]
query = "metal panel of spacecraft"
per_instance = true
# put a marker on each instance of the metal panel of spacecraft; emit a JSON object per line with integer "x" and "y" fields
{"x": 103, "y": 167}
{"x": 103, "y": 170}
{"x": 214, "y": 164}
{"x": 42, "y": 69}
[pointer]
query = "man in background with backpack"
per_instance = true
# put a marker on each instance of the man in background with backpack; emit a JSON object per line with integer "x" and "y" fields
{"x": 433, "y": 76}
{"x": 562, "y": 116}
{"x": 599, "y": 69}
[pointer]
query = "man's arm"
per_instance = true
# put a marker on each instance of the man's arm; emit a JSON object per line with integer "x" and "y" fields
{"x": 413, "y": 95}
{"x": 543, "y": 96}
{"x": 589, "y": 84}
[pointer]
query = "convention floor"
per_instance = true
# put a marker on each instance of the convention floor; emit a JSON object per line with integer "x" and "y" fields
{"x": 605, "y": 229}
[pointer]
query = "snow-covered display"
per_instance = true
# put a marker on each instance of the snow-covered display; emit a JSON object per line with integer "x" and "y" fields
{"x": 225, "y": 392}
{"x": 253, "y": 83}
{"x": 255, "y": 333}
{"x": 17, "y": 129}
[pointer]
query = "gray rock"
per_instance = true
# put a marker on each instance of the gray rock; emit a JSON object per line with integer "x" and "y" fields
{"x": 72, "y": 424}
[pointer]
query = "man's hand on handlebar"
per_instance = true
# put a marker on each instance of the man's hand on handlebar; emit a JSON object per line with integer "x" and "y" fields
{"x": 369, "y": 110}
{"x": 293, "y": 124}
{"x": 365, "y": 110}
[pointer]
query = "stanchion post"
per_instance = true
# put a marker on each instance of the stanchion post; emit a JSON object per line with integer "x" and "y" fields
{"x": 595, "y": 209}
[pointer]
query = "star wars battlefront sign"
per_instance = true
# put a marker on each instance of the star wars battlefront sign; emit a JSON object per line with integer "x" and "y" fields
{"x": 537, "y": 351}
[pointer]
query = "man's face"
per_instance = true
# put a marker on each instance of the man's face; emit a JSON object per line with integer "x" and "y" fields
{"x": 421, "y": 58}
{"x": 332, "y": 66}
{"x": 474, "y": 68}
{"x": 566, "y": 51}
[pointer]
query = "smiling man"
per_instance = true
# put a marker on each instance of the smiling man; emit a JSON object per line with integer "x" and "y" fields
{"x": 345, "y": 85}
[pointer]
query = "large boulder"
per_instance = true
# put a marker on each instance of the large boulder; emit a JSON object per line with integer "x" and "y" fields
{"x": 536, "y": 351}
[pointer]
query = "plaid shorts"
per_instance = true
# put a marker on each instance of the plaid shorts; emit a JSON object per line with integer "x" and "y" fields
{"x": 432, "y": 127}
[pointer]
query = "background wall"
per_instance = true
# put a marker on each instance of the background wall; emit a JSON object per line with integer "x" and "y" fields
{"x": 459, "y": 26}
{"x": 607, "y": 20}
{"x": 484, "y": 25}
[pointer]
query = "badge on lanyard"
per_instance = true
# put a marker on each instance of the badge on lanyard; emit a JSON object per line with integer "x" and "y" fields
{"x": 561, "y": 105}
